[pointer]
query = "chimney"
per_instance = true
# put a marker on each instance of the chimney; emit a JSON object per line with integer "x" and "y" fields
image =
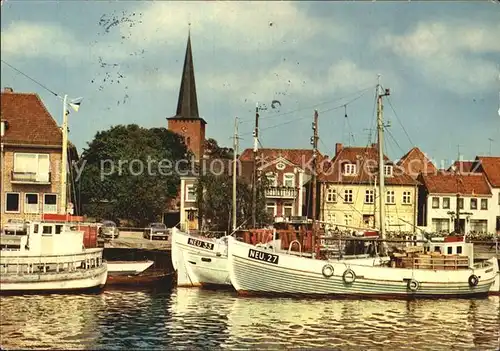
{"x": 374, "y": 145}
{"x": 8, "y": 90}
{"x": 338, "y": 148}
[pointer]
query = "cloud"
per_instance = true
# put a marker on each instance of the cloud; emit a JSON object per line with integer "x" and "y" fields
{"x": 347, "y": 76}
{"x": 52, "y": 41}
{"x": 239, "y": 26}
{"x": 453, "y": 55}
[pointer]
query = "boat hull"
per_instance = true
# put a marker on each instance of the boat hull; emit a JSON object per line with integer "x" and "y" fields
{"x": 260, "y": 272}
{"x": 199, "y": 261}
{"x": 128, "y": 267}
{"x": 94, "y": 278}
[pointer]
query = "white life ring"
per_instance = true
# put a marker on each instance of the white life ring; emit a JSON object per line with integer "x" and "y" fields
{"x": 413, "y": 285}
{"x": 327, "y": 270}
{"x": 349, "y": 276}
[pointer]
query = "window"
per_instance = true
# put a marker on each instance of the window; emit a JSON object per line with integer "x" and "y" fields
{"x": 12, "y": 202}
{"x": 190, "y": 193}
{"x": 332, "y": 218}
{"x": 435, "y": 202}
{"x": 499, "y": 198}
{"x": 331, "y": 194}
{"x": 479, "y": 225}
{"x": 289, "y": 180}
{"x": 369, "y": 196}
{"x": 188, "y": 141}
{"x": 446, "y": 202}
{"x": 348, "y": 196}
{"x": 441, "y": 225}
{"x": 459, "y": 250}
{"x": 49, "y": 203}
{"x": 348, "y": 219}
{"x": 47, "y": 229}
{"x": 391, "y": 199}
{"x": 288, "y": 209}
{"x": 35, "y": 229}
{"x": 32, "y": 167}
{"x": 191, "y": 215}
{"x": 449, "y": 250}
{"x": 30, "y": 203}
{"x": 349, "y": 169}
{"x": 461, "y": 203}
{"x": 58, "y": 228}
{"x": 406, "y": 197}
{"x": 473, "y": 204}
{"x": 388, "y": 170}
{"x": 271, "y": 208}
{"x": 484, "y": 204}
{"x": 271, "y": 178}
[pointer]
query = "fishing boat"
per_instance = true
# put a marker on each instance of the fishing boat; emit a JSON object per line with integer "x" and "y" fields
{"x": 435, "y": 269}
{"x": 50, "y": 257}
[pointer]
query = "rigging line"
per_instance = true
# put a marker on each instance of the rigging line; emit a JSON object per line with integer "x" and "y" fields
{"x": 349, "y": 126}
{"x": 394, "y": 139}
{"x": 399, "y": 120}
{"x": 32, "y": 79}
{"x": 248, "y": 120}
{"x": 301, "y": 118}
{"x": 326, "y": 147}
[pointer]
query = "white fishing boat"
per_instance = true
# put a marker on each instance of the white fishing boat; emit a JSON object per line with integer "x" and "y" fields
{"x": 128, "y": 267}
{"x": 50, "y": 257}
{"x": 259, "y": 271}
{"x": 442, "y": 269}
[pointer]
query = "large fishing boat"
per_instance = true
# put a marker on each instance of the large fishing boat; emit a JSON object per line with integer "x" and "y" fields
{"x": 49, "y": 257}
{"x": 440, "y": 269}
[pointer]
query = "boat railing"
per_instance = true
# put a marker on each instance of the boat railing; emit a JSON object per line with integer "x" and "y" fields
{"x": 55, "y": 263}
{"x": 446, "y": 262}
{"x": 291, "y": 245}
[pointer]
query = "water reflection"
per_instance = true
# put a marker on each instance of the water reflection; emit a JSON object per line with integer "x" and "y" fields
{"x": 199, "y": 319}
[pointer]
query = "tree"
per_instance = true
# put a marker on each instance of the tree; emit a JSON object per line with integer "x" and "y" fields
{"x": 130, "y": 172}
{"x": 214, "y": 151}
{"x": 214, "y": 200}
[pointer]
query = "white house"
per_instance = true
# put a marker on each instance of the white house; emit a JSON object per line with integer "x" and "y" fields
{"x": 438, "y": 197}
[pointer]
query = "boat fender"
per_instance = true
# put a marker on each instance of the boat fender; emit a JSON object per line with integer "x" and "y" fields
{"x": 413, "y": 285}
{"x": 327, "y": 270}
{"x": 473, "y": 280}
{"x": 349, "y": 276}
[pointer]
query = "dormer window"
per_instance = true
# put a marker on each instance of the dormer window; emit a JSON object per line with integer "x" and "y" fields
{"x": 349, "y": 169}
{"x": 388, "y": 170}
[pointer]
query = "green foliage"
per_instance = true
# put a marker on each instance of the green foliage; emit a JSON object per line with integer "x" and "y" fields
{"x": 214, "y": 151}
{"x": 112, "y": 183}
{"x": 214, "y": 200}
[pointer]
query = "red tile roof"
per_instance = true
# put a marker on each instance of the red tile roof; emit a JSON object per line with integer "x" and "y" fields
{"x": 491, "y": 168}
{"x": 366, "y": 160}
{"x": 451, "y": 183}
{"x": 28, "y": 120}
{"x": 416, "y": 162}
{"x": 462, "y": 166}
{"x": 299, "y": 157}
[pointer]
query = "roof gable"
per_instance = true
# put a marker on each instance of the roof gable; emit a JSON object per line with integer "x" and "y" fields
{"x": 298, "y": 157}
{"x": 415, "y": 162}
{"x": 28, "y": 120}
{"x": 366, "y": 161}
{"x": 491, "y": 168}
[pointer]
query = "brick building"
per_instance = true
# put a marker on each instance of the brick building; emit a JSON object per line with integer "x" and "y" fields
{"x": 187, "y": 121}
{"x": 30, "y": 182}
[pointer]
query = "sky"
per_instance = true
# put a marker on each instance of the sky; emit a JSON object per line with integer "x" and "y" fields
{"x": 440, "y": 60}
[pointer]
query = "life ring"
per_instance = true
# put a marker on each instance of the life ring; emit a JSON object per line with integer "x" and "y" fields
{"x": 473, "y": 280}
{"x": 349, "y": 276}
{"x": 413, "y": 285}
{"x": 327, "y": 270}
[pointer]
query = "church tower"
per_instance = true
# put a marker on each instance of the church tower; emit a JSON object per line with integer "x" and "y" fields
{"x": 187, "y": 121}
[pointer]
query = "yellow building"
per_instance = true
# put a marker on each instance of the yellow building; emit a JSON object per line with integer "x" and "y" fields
{"x": 349, "y": 191}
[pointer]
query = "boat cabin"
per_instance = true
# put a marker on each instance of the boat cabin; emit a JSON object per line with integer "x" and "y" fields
{"x": 45, "y": 238}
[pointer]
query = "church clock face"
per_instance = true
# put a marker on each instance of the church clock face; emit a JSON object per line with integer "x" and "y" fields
{"x": 184, "y": 129}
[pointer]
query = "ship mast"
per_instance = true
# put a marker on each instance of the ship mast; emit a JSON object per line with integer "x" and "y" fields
{"x": 381, "y": 168}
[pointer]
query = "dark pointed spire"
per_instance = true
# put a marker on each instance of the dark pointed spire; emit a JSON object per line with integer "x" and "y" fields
{"x": 187, "y": 105}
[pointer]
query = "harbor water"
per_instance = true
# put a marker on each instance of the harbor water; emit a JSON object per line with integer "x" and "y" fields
{"x": 193, "y": 319}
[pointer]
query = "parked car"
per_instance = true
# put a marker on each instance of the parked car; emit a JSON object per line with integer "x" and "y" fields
{"x": 108, "y": 229}
{"x": 16, "y": 226}
{"x": 156, "y": 230}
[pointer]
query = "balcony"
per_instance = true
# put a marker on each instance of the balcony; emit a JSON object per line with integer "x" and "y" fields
{"x": 282, "y": 192}
{"x": 30, "y": 178}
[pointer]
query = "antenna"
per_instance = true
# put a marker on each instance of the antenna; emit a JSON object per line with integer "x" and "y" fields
{"x": 491, "y": 141}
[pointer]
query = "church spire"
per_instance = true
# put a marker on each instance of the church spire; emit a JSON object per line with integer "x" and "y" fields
{"x": 187, "y": 105}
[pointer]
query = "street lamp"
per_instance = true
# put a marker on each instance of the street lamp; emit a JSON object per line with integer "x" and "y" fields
{"x": 75, "y": 105}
